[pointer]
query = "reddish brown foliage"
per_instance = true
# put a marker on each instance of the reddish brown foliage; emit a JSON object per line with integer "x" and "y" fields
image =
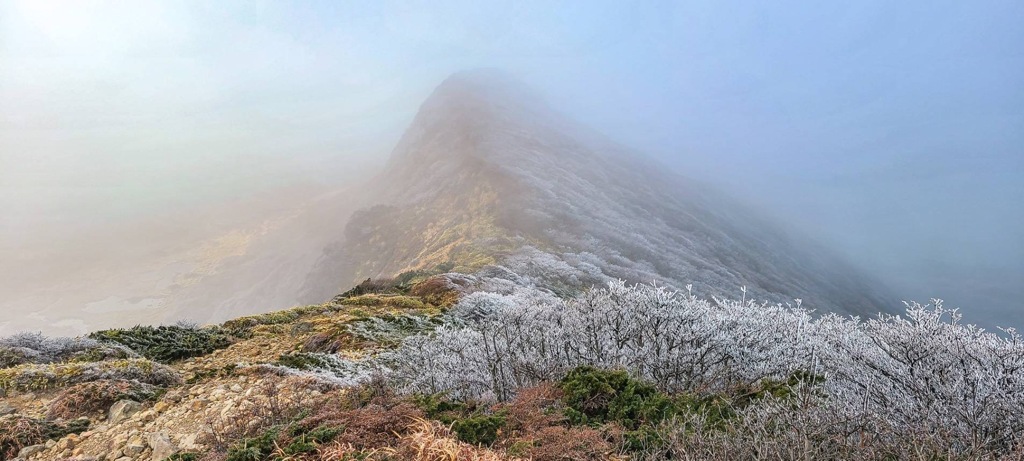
{"x": 437, "y": 290}
{"x": 536, "y": 428}
{"x": 96, "y": 396}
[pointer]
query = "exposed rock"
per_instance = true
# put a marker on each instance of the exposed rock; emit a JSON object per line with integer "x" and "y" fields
{"x": 122, "y": 410}
{"x": 134, "y": 447}
{"x": 190, "y": 443}
{"x": 6, "y": 409}
{"x": 161, "y": 445}
{"x": 31, "y": 450}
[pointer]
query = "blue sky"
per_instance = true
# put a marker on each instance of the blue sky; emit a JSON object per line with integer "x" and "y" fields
{"x": 892, "y": 130}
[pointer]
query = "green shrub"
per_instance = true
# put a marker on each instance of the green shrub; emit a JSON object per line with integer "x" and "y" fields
{"x": 10, "y": 357}
{"x": 167, "y": 344}
{"x": 254, "y": 449}
{"x": 594, "y": 397}
{"x": 470, "y": 423}
{"x": 289, "y": 440}
{"x": 438, "y": 407}
{"x": 479, "y": 429}
{"x": 382, "y": 285}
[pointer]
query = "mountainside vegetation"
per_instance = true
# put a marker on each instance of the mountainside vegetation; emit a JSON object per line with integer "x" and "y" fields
{"x": 491, "y": 366}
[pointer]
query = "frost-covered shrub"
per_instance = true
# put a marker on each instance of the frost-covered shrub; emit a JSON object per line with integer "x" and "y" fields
{"x": 390, "y": 330}
{"x": 923, "y": 373}
{"x": 31, "y": 377}
{"x": 927, "y": 370}
{"x": 36, "y": 348}
{"x": 678, "y": 343}
{"x": 328, "y": 368}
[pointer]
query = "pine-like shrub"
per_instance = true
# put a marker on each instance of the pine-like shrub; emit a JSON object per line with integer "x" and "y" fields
{"x": 167, "y": 344}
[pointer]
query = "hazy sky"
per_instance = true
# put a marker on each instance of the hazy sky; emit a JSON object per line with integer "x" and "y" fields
{"x": 894, "y": 130}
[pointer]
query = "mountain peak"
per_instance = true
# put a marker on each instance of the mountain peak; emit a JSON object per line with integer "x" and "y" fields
{"x": 485, "y": 84}
{"x": 511, "y": 180}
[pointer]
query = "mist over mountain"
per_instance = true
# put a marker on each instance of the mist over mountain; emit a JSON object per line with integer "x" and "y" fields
{"x": 487, "y": 173}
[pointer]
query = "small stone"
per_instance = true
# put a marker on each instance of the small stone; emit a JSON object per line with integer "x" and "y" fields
{"x": 189, "y": 442}
{"x": 161, "y": 407}
{"x": 198, "y": 405}
{"x": 31, "y": 450}
{"x": 147, "y": 415}
{"x": 134, "y": 447}
{"x": 50, "y": 444}
{"x": 6, "y": 409}
{"x": 161, "y": 445}
{"x": 236, "y": 388}
{"x": 123, "y": 410}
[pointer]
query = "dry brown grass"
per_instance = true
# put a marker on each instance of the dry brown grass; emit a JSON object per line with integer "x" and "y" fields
{"x": 85, "y": 399}
{"x": 432, "y": 441}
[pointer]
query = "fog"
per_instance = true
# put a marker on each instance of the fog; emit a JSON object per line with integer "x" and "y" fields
{"x": 134, "y": 131}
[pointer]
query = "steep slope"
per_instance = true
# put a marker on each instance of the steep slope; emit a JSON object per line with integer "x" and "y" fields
{"x": 488, "y": 174}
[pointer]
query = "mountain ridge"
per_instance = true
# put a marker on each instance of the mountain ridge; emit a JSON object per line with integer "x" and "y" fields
{"x": 488, "y": 161}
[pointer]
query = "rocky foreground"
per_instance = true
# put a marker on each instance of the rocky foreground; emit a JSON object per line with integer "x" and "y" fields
{"x": 184, "y": 408}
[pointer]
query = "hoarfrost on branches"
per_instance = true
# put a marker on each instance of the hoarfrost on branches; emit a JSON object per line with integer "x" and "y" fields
{"x": 921, "y": 371}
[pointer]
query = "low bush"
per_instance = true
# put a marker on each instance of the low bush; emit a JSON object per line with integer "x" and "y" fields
{"x": 330, "y": 341}
{"x": 389, "y": 330}
{"x": 17, "y": 432}
{"x": 392, "y": 301}
{"x": 84, "y": 399}
{"x": 479, "y": 429}
{"x": 307, "y": 361}
{"x": 36, "y": 348}
{"x": 167, "y": 344}
{"x": 32, "y": 377}
{"x": 243, "y": 327}
{"x": 350, "y": 422}
{"x": 371, "y": 286}
{"x": 442, "y": 290}
{"x": 594, "y": 397}
{"x": 184, "y": 456}
{"x": 531, "y": 426}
